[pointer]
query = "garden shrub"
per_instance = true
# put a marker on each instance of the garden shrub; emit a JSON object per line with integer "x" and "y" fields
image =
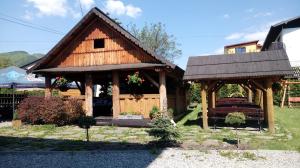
{"x": 86, "y": 122}
{"x": 29, "y": 110}
{"x": 163, "y": 128}
{"x": 54, "y": 111}
{"x": 38, "y": 110}
{"x": 154, "y": 112}
{"x": 74, "y": 110}
{"x": 236, "y": 119}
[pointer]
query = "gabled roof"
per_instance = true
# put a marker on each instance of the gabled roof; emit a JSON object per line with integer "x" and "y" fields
{"x": 95, "y": 12}
{"x": 243, "y": 43}
{"x": 247, "y": 65}
{"x": 276, "y": 29}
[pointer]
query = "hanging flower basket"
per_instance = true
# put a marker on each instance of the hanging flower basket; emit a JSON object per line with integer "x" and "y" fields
{"x": 135, "y": 79}
{"x": 62, "y": 84}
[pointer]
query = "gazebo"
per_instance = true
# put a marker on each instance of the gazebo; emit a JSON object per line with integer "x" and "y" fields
{"x": 99, "y": 51}
{"x": 253, "y": 71}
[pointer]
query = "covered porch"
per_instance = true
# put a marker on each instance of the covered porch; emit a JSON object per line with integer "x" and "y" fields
{"x": 106, "y": 94}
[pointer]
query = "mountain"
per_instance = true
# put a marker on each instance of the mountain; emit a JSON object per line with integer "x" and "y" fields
{"x": 17, "y": 58}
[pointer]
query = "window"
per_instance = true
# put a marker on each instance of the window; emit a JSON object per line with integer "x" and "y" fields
{"x": 99, "y": 43}
{"x": 240, "y": 50}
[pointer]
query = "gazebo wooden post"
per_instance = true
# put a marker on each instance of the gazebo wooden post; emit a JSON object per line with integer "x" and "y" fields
{"x": 249, "y": 93}
{"x": 269, "y": 108}
{"x": 116, "y": 94}
{"x": 48, "y": 87}
{"x": 284, "y": 94}
{"x": 213, "y": 99}
{"x": 204, "y": 105}
{"x": 163, "y": 101}
{"x": 89, "y": 94}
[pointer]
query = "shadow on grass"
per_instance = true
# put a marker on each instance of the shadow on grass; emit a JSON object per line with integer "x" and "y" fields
{"x": 71, "y": 153}
{"x": 29, "y": 143}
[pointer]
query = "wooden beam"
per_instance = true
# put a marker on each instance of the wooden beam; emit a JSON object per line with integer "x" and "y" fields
{"x": 163, "y": 101}
{"x": 258, "y": 85}
{"x": 269, "y": 106}
{"x": 116, "y": 94}
{"x": 249, "y": 95}
{"x": 283, "y": 96}
{"x": 204, "y": 105}
{"x": 48, "y": 88}
{"x": 212, "y": 85}
{"x": 89, "y": 95}
{"x": 213, "y": 99}
{"x": 151, "y": 79}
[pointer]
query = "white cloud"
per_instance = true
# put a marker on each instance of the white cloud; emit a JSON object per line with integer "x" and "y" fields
{"x": 252, "y": 33}
{"x": 250, "y": 10}
{"x": 50, "y": 7}
{"x": 119, "y": 8}
{"x": 262, "y": 14}
{"x": 28, "y": 15}
{"x": 226, "y": 16}
{"x": 234, "y": 36}
{"x": 87, "y": 4}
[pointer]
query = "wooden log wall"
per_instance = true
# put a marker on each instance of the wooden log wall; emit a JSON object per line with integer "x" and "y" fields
{"x": 117, "y": 50}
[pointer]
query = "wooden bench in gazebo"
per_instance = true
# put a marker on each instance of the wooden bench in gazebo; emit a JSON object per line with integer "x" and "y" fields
{"x": 254, "y": 71}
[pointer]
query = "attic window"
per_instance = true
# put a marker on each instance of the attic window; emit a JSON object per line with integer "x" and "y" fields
{"x": 99, "y": 43}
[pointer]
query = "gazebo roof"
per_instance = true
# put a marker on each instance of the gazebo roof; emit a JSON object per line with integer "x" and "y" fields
{"x": 234, "y": 66}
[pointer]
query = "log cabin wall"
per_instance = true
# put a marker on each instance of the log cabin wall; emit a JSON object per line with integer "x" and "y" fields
{"x": 117, "y": 50}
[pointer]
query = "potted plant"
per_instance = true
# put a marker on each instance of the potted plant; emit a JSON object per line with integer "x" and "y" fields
{"x": 62, "y": 83}
{"x": 16, "y": 122}
{"x": 236, "y": 119}
{"x": 86, "y": 122}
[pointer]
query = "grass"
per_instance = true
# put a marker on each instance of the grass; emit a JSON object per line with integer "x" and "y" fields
{"x": 35, "y": 137}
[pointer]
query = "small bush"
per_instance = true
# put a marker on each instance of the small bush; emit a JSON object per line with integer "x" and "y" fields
{"x": 54, "y": 111}
{"x": 38, "y": 110}
{"x": 164, "y": 129}
{"x": 154, "y": 112}
{"x": 86, "y": 122}
{"x": 235, "y": 118}
{"x": 74, "y": 110}
{"x": 30, "y": 109}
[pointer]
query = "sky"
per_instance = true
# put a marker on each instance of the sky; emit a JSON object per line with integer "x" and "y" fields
{"x": 201, "y": 27}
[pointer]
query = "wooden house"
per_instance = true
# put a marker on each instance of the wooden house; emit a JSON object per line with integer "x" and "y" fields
{"x": 98, "y": 51}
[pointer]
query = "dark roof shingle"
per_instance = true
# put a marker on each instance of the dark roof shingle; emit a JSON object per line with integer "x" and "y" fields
{"x": 259, "y": 64}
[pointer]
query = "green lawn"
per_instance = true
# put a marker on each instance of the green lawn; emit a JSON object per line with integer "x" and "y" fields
{"x": 49, "y": 137}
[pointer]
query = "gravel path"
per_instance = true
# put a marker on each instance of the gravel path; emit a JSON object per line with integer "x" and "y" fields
{"x": 171, "y": 158}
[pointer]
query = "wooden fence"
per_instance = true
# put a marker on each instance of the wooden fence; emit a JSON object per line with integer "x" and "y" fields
{"x": 143, "y": 103}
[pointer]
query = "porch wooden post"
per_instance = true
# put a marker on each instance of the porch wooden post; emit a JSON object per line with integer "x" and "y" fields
{"x": 89, "y": 95}
{"x": 269, "y": 106}
{"x": 249, "y": 93}
{"x": 204, "y": 105}
{"x": 163, "y": 101}
{"x": 48, "y": 87}
{"x": 178, "y": 100}
{"x": 116, "y": 94}
{"x": 213, "y": 99}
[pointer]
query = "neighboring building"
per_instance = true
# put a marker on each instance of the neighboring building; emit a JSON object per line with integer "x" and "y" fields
{"x": 246, "y": 47}
{"x": 287, "y": 33}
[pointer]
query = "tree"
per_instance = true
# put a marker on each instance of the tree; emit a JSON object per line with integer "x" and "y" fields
{"x": 5, "y": 62}
{"x": 155, "y": 37}
{"x": 236, "y": 119}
